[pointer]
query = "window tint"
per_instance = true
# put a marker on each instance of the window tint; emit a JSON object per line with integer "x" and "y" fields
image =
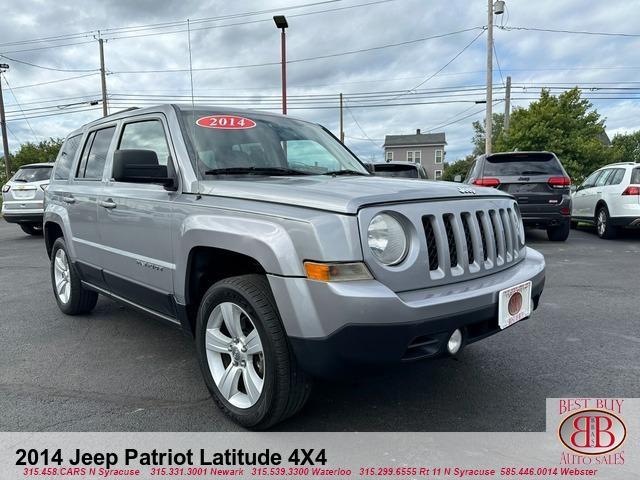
{"x": 309, "y": 155}
{"x": 65, "y": 157}
{"x": 94, "y": 155}
{"x": 147, "y": 135}
{"x": 32, "y": 174}
{"x": 602, "y": 179}
{"x": 635, "y": 175}
{"x": 616, "y": 177}
{"x": 591, "y": 180}
{"x": 522, "y": 164}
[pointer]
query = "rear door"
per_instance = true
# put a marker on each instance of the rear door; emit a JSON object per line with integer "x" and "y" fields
{"x": 533, "y": 178}
{"x": 81, "y": 201}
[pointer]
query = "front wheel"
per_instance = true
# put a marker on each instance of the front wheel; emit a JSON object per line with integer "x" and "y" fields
{"x": 559, "y": 233}
{"x": 245, "y": 356}
{"x": 71, "y": 296}
{"x": 603, "y": 224}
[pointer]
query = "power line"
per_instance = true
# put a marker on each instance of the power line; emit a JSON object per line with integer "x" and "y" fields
{"x": 19, "y": 106}
{"x": 495, "y": 52}
{"x": 318, "y": 57}
{"x": 55, "y": 69}
{"x": 55, "y": 81}
{"x": 578, "y": 32}
{"x": 358, "y": 124}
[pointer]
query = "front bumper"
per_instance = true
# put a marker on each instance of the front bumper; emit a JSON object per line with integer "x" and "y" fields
{"x": 336, "y": 327}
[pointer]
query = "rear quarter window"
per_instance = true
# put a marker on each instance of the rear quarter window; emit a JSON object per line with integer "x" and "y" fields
{"x": 522, "y": 165}
{"x": 635, "y": 175}
{"x": 65, "y": 158}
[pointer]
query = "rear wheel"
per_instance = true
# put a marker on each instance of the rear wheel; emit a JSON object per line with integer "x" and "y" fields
{"x": 559, "y": 233}
{"x": 31, "y": 228}
{"x": 71, "y": 296}
{"x": 244, "y": 354}
{"x": 603, "y": 224}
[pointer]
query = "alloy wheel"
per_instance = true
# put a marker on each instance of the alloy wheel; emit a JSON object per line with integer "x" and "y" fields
{"x": 62, "y": 276}
{"x": 602, "y": 222}
{"x": 235, "y": 355}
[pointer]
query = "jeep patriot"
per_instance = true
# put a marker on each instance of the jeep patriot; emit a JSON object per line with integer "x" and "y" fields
{"x": 269, "y": 242}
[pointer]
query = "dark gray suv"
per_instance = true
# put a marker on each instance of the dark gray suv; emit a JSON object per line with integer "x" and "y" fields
{"x": 538, "y": 182}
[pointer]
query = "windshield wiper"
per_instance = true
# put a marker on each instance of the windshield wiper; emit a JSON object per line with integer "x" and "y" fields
{"x": 254, "y": 171}
{"x": 344, "y": 172}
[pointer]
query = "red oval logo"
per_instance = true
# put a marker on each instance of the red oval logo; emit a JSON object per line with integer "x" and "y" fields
{"x": 592, "y": 432}
{"x": 225, "y": 122}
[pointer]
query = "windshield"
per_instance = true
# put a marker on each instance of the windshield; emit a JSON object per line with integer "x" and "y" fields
{"x": 403, "y": 171}
{"x": 264, "y": 145}
{"x": 522, "y": 164}
{"x": 32, "y": 174}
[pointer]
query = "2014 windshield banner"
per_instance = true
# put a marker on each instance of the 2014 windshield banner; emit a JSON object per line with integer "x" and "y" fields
{"x": 584, "y": 438}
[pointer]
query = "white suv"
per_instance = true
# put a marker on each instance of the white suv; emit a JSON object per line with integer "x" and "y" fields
{"x": 609, "y": 198}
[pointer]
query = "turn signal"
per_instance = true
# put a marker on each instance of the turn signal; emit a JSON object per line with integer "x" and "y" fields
{"x": 337, "y": 272}
{"x": 632, "y": 190}
{"x": 486, "y": 182}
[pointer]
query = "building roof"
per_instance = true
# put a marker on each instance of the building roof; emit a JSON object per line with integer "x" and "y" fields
{"x": 415, "y": 139}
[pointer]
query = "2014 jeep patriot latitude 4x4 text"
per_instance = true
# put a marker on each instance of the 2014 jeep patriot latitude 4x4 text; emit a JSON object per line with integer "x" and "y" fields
{"x": 268, "y": 241}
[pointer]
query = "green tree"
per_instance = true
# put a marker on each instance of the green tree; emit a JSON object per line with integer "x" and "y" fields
{"x": 459, "y": 167}
{"x": 626, "y": 147}
{"x": 567, "y": 125}
{"x": 479, "y": 133}
{"x": 29, "y": 152}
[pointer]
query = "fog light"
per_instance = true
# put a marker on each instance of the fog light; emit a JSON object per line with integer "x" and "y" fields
{"x": 455, "y": 342}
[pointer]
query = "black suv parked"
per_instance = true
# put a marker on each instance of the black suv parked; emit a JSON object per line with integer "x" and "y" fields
{"x": 539, "y": 183}
{"x": 399, "y": 169}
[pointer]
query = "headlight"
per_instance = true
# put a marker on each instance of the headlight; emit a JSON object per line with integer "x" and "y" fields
{"x": 6, "y": 188}
{"x": 387, "y": 239}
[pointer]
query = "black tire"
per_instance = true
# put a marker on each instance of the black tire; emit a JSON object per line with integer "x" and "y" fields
{"x": 286, "y": 387}
{"x": 574, "y": 224}
{"x": 559, "y": 233}
{"x": 31, "y": 228}
{"x": 80, "y": 299}
{"x": 606, "y": 231}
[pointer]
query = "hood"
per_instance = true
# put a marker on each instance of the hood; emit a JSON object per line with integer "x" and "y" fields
{"x": 339, "y": 194}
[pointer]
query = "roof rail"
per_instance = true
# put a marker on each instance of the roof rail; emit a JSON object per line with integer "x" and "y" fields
{"x": 620, "y": 163}
{"x": 121, "y": 111}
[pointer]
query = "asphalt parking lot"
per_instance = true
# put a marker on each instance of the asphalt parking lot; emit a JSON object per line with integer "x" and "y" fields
{"x": 119, "y": 370}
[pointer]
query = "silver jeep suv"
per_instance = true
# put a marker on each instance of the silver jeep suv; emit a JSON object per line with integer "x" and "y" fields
{"x": 268, "y": 241}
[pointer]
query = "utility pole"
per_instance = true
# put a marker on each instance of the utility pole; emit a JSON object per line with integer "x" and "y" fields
{"x": 103, "y": 78}
{"x": 282, "y": 24}
{"x": 3, "y": 126}
{"x": 488, "y": 123}
{"x": 507, "y": 105}
{"x": 341, "y": 121}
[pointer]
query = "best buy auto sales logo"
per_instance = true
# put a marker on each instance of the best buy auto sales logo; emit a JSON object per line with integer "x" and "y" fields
{"x": 593, "y": 431}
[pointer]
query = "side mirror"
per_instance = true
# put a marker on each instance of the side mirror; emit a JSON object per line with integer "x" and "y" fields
{"x": 140, "y": 166}
{"x": 457, "y": 178}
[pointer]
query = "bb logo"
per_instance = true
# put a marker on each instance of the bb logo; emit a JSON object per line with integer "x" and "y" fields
{"x": 592, "y": 432}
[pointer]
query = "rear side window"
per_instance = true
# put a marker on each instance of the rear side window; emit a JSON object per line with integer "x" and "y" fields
{"x": 616, "y": 177}
{"x": 65, "y": 158}
{"x": 146, "y": 135}
{"x": 522, "y": 165}
{"x": 635, "y": 175}
{"x": 32, "y": 174}
{"x": 94, "y": 155}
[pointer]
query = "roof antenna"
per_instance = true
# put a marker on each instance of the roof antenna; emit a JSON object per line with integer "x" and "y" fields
{"x": 193, "y": 108}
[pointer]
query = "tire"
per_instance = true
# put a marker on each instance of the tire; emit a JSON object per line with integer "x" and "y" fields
{"x": 31, "y": 228}
{"x": 574, "y": 224}
{"x": 284, "y": 387}
{"x": 602, "y": 221}
{"x": 73, "y": 299}
{"x": 559, "y": 233}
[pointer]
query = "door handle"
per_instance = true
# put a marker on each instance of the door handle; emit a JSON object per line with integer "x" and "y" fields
{"x": 107, "y": 204}
{"x": 68, "y": 200}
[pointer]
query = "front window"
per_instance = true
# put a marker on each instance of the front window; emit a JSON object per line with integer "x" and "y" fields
{"x": 32, "y": 174}
{"x": 417, "y": 156}
{"x": 258, "y": 144}
{"x": 438, "y": 175}
{"x": 409, "y": 156}
{"x": 439, "y": 156}
{"x": 389, "y": 156}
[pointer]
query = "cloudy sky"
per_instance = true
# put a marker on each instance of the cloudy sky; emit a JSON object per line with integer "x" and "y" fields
{"x": 399, "y": 63}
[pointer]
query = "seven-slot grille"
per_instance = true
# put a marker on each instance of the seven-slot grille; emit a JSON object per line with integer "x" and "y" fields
{"x": 468, "y": 241}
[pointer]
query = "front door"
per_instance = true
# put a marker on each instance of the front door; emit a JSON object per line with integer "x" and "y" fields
{"x": 135, "y": 225}
{"x": 583, "y": 200}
